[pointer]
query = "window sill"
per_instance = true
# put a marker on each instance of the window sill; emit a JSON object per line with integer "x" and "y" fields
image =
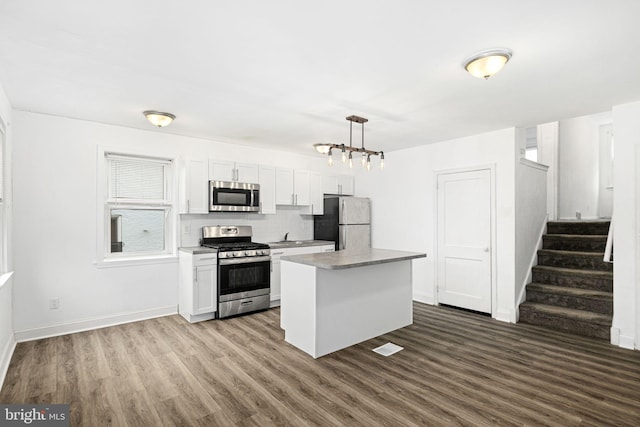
{"x": 129, "y": 262}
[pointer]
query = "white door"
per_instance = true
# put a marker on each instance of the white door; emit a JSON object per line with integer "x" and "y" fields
{"x": 464, "y": 240}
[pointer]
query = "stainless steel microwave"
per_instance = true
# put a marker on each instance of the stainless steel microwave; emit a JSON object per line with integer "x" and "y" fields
{"x": 231, "y": 196}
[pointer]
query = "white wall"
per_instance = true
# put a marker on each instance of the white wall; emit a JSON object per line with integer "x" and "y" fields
{"x": 625, "y": 330}
{"x": 578, "y": 165}
{"x": 55, "y": 223}
{"x": 403, "y": 205}
{"x": 531, "y": 214}
{"x": 7, "y": 340}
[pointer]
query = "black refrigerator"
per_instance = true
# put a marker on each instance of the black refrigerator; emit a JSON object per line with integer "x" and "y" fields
{"x": 346, "y": 221}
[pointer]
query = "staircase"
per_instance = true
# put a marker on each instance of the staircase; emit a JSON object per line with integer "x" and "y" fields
{"x": 572, "y": 288}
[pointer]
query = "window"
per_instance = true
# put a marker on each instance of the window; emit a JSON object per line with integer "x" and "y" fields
{"x": 138, "y": 207}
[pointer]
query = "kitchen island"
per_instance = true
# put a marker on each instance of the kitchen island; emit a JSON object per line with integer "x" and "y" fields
{"x": 332, "y": 300}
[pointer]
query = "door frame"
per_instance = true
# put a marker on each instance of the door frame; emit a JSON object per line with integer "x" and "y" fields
{"x": 491, "y": 167}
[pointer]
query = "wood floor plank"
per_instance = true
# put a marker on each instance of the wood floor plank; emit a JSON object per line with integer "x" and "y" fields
{"x": 457, "y": 368}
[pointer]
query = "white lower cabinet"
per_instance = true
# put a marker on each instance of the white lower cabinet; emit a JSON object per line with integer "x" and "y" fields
{"x": 277, "y": 253}
{"x": 197, "y": 286}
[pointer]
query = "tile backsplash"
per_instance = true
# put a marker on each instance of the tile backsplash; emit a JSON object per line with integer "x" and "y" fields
{"x": 266, "y": 228}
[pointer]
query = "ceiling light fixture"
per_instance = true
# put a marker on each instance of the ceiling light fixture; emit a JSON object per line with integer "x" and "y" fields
{"x": 158, "y": 118}
{"x": 326, "y": 148}
{"x": 486, "y": 63}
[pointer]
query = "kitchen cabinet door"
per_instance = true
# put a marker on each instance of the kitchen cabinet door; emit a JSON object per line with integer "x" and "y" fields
{"x": 194, "y": 188}
{"x": 316, "y": 196}
{"x": 342, "y": 185}
{"x": 247, "y": 172}
{"x": 302, "y": 187}
{"x": 275, "y": 273}
{"x": 220, "y": 170}
{"x": 204, "y": 295}
{"x": 346, "y": 185}
{"x": 284, "y": 187}
{"x": 197, "y": 286}
{"x": 267, "y": 180}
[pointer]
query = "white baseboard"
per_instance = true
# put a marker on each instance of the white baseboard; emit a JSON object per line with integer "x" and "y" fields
{"x": 95, "y": 323}
{"x": 508, "y": 316}
{"x": 425, "y": 298}
{"x": 5, "y": 358}
{"x": 620, "y": 340}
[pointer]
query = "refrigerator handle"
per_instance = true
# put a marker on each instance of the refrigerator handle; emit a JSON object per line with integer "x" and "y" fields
{"x": 343, "y": 214}
{"x": 344, "y": 238}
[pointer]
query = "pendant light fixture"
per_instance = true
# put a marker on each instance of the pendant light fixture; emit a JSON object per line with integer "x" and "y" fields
{"x": 158, "y": 118}
{"x": 327, "y": 148}
{"x": 486, "y": 63}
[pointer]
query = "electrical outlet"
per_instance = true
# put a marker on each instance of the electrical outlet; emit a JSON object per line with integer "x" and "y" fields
{"x": 186, "y": 228}
{"x": 578, "y": 215}
{"x": 54, "y": 303}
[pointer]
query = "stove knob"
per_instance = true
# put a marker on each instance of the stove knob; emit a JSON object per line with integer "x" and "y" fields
{"x": 237, "y": 253}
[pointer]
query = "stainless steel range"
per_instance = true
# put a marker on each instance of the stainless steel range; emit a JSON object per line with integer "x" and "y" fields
{"x": 244, "y": 269}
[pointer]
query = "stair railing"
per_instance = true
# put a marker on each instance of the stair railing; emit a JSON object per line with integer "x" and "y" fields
{"x": 608, "y": 250}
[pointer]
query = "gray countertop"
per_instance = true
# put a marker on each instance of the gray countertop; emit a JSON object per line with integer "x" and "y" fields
{"x": 298, "y": 243}
{"x": 350, "y": 259}
{"x": 196, "y": 250}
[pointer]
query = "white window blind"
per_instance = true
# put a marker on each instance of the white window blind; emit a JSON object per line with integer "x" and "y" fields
{"x": 138, "y": 179}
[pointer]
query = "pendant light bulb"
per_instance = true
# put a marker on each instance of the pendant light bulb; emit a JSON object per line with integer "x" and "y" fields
{"x": 381, "y": 160}
{"x": 350, "y": 160}
{"x": 363, "y": 160}
{"x": 368, "y": 162}
{"x": 344, "y": 155}
{"x": 330, "y": 158}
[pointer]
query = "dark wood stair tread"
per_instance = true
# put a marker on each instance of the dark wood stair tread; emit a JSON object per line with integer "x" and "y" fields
{"x": 569, "y": 313}
{"x": 572, "y": 292}
{"x": 575, "y": 271}
{"x": 572, "y": 253}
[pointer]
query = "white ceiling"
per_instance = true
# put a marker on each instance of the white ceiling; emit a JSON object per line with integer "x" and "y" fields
{"x": 285, "y": 74}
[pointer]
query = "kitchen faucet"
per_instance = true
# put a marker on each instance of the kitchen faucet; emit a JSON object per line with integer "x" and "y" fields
{"x": 286, "y": 235}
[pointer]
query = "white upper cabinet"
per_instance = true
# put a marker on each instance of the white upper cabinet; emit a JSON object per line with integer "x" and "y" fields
{"x": 302, "y": 187}
{"x": 299, "y": 188}
{"x": 284, "y": 187}
{"x": 316, "y": 196}
{"x": 194, "y": 185}
{"x": 343, "y": 185}
{"x": 221, "y": 170}
{"x": 267, "y": 189}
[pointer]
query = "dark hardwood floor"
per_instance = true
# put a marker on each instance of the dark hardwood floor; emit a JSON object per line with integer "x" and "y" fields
{"x": 457, "y": 368}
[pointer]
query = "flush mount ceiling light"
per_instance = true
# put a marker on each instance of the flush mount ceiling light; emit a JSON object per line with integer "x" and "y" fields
{"x": 327, "y": 148}
{"x": 486, "y": 63}
{"x": 158, "y": 118}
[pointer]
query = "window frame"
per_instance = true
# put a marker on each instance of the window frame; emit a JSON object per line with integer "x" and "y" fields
{"x": 106, "y": 204}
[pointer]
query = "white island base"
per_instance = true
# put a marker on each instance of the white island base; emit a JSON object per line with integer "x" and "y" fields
{"x": 325, "y": 309}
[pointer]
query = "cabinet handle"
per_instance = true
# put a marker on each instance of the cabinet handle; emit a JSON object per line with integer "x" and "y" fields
{"x": 296, "y": 200}
{"x": 277, "y": 253}
{"x": 206, "y": 259}
{"x": 292, "y": 199}
{"x": 188, "y": 206}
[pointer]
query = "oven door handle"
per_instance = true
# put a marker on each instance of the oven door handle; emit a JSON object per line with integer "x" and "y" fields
{"x": 243, "y": 260}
